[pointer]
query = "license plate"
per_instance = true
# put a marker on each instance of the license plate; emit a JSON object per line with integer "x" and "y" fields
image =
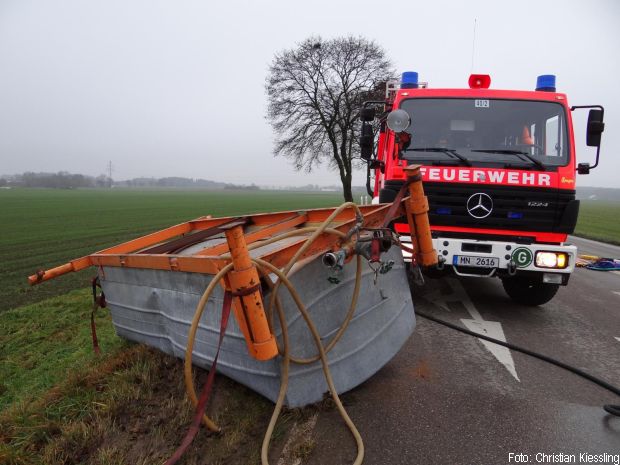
{"x": 479, "y": 262}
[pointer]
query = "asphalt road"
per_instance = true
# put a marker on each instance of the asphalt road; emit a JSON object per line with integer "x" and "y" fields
{"x": 446, "y": 398}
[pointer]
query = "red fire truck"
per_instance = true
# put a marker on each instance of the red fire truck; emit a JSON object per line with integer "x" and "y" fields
{"x": 499, "y": 171}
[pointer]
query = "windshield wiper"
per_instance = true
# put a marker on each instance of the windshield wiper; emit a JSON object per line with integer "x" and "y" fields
{"x": 534, "y": 161}
{"x": 447, "y": 151}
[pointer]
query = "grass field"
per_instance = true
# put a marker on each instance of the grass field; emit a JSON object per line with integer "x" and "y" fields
{"x": 599, "y": 220}
{"x": 60, "y": 404}
{"x": 42, "y": 228}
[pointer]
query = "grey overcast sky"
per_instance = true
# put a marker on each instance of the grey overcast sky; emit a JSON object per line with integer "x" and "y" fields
{"x": 176, "y": 88}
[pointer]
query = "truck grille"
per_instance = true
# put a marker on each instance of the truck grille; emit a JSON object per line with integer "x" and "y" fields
{"x": 514, "y": 208}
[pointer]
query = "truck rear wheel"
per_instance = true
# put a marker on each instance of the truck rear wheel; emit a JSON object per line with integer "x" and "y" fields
{"x": 528, "y": 291}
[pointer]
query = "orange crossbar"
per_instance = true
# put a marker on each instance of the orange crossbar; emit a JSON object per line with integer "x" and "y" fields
{"x": 74, "y": 265}
{"x": 189, "y": 263}
{"x": 253, "y": 236}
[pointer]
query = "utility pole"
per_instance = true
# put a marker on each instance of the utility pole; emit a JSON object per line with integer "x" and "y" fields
{"x": 110, "y": 169}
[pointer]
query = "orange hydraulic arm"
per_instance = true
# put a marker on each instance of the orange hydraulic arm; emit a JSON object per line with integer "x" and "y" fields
{"x": 248, "y": 302}
{"x": 417, "y": 216}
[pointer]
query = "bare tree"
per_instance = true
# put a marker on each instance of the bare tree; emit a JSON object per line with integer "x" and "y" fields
{"x": 315, "y": 92}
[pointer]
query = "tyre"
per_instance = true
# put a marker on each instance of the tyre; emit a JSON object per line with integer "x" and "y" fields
{"x": 528, "y": 291}
{"x": 389, "y": 191}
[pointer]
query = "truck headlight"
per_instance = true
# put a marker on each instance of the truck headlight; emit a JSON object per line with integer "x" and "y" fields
{"x": 551, "y": 259}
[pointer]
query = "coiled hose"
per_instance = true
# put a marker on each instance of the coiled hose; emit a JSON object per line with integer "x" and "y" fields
{"x": 265, "y": 269}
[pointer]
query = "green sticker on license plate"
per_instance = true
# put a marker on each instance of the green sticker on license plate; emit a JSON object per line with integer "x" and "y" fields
{"x": 522, "y": 257}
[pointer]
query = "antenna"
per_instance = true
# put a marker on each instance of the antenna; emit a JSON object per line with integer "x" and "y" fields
{"x": 473, "y": 48}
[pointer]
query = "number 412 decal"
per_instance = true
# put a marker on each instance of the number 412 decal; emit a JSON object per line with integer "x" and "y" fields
{"x": 482, "y": 104}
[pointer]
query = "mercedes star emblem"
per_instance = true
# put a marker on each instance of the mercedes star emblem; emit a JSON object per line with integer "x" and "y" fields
{"x": 479, "y": 205}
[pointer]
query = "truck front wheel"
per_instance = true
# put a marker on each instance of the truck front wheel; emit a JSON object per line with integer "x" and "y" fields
{"x": 387, "y": 195}
{"x": 529, "y": 292}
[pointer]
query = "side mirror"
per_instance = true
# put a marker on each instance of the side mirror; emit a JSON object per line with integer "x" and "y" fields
{"x": 367, "y": 141}
{"x": 367, "y": 114}
{"x": 583, "y": 168}
{"x": 596, "y": 126}
{"x": 593, "y": 134}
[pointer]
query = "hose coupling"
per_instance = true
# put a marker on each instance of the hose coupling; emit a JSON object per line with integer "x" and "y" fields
{"x": 334, "y": 260}
{"x": 371, "y": 249}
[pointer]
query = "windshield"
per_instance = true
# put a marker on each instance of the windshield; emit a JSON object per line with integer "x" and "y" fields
{"x": 486, "y": 132}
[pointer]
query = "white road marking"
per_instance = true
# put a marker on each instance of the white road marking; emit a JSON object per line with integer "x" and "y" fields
{"x": 617, "y": 338}
{"x": 493, "y": 329}
{"x": 299, "y": 432}
{"x": 458, "y": 294}
{"x": 616, "y": 272}
{"x": 437, "y": 298}
{"x": 477, "y": 323}
{"x": 616, "y": 292}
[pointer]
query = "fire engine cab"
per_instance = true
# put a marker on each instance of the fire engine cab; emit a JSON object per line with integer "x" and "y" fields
{"x": 499, "y": 172}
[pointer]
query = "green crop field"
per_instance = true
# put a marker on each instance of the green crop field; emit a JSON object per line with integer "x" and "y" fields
{"x": 59, "y": 403}
{"x": 599, "y": 220}
{"x": 42, "y": 228}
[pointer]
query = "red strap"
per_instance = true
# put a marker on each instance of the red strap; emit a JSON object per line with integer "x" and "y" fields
{"x": 206, "y": 389}
{"x": 93, "y": 329}
{"x": 389, "y": 216}
{"x": 98, "y": 301}
{"x": 247, "y": 291}
{"x": 406, "y": 248}
{"x": 375, "y": 250}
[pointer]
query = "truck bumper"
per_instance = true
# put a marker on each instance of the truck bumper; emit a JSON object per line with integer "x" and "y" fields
{"x": 498, "y": 258}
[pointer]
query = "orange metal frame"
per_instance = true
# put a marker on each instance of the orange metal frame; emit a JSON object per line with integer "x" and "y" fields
{"x": 209, "y": 260}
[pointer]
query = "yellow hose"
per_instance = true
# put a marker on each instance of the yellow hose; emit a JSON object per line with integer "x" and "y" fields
{"x": 322, "y": 355}
{"x": 349, "y": 315}
{"x": 294, "y": 232}
{"x": 322, "y": 228}
{"x": 345, "y": 324}
{"x": 328, "y": 377}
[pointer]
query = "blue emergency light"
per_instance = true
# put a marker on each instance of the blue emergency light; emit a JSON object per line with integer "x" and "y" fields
{"x": 444, "y": 211}
{"x": 409, "y": 80}
{"x": 515, "y": 215}
{"x": 546, "y": 83}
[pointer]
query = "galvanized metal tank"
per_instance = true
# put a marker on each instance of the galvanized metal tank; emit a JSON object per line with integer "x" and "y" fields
{"x": 156, "y": 307}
